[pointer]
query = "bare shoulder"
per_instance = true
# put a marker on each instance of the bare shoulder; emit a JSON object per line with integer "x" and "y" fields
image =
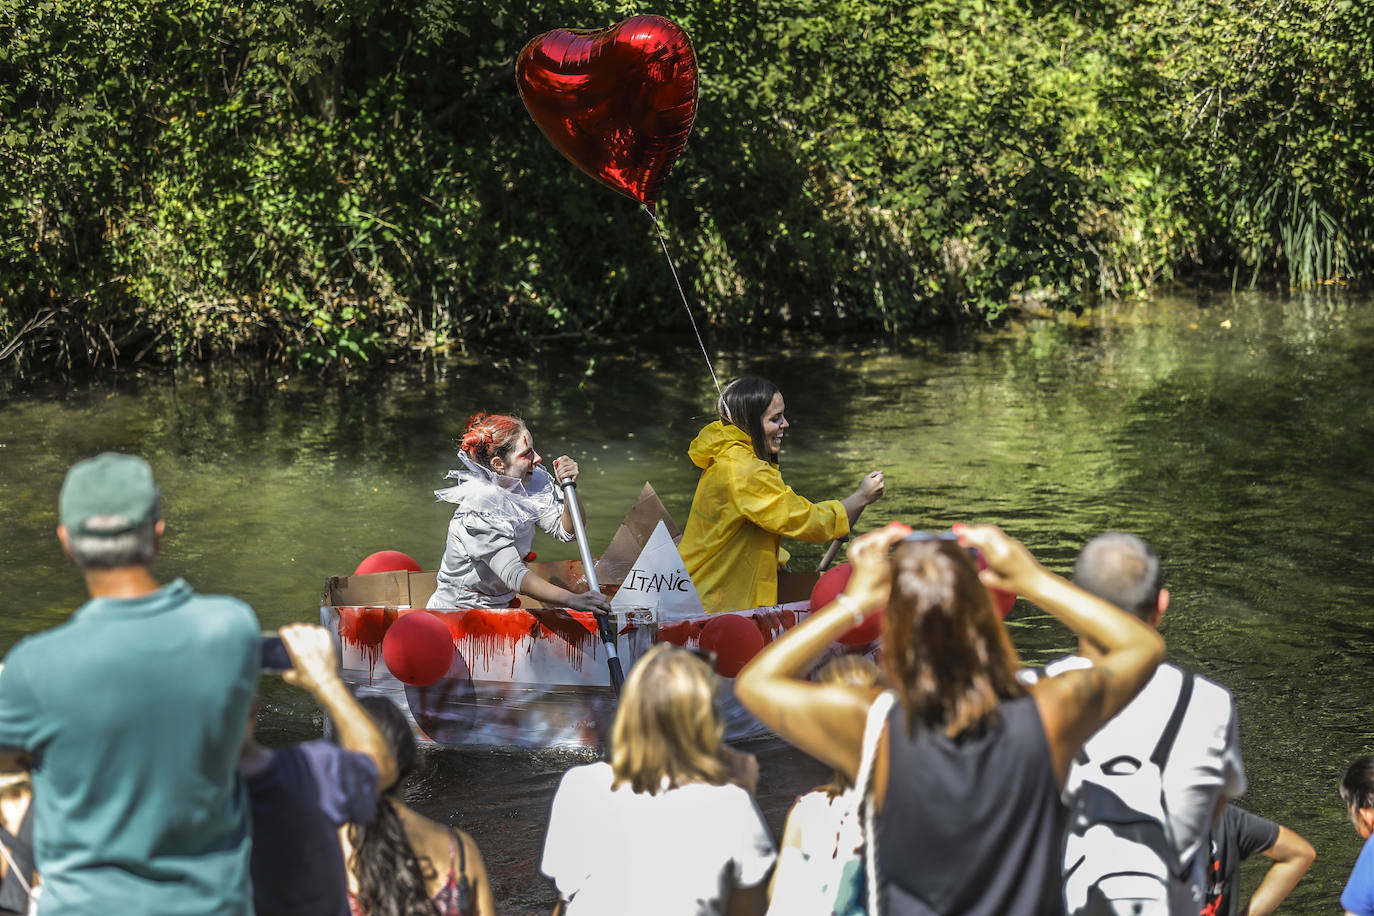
{"x": 428, "y": 838}
{"x": 1070, "y": 691}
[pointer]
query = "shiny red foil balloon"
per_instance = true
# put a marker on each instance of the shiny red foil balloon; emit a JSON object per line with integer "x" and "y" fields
{"x": 618, "y": 101}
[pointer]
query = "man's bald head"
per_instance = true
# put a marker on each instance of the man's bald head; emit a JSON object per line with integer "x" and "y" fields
{"x": 1122, "y": 569}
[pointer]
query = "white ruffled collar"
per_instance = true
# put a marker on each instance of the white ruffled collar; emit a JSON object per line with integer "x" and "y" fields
{"x": 482, "y": 490}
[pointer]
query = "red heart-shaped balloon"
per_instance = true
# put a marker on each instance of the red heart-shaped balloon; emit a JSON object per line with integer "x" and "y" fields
{"x": 618, "y": 101}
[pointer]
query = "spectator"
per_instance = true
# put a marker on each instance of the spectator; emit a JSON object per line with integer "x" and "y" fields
{"x": 1145, "y": 790}
{"x": 823, "y": 829}
{"x": 303, "y": 794}
{"x": 17, "y": 876}
{"x": 1236, "y": 836}
{"x": 132, "y": 713}
{"x": 391, "y": 858}
{"x": 1357, "y": 791}
{"x": 667, "y": 787}
{"x": 968, "y": 771}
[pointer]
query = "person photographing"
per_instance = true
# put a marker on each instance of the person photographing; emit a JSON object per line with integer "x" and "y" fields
{"x": 969, "y": 763}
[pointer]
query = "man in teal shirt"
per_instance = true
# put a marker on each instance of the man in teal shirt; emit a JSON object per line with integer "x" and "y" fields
{"x": 131, "y": 715}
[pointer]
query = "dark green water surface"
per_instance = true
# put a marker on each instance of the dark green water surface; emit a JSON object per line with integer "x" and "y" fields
{"x": 1234, "y": 434}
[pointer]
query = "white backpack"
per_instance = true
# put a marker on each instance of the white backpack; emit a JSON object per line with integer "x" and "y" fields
{"x": 1119, "y": 850}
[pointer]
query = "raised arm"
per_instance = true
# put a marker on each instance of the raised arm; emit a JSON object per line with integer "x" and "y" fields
{"x": 1292, "y": 856}
{"x": 315, "y": 668}
{"x": 869, "y": 492}
{"x": 1073, "y": 705}
{"x": 760, "y": 494}
{"x": 825, "y": 720}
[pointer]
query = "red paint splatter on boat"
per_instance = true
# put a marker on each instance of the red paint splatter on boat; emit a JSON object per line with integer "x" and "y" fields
{"x": 364, "y": 628}
{"x": 484, "y": 634}
{"x": 773, "y": 624}
{"x": 681, "y": 632}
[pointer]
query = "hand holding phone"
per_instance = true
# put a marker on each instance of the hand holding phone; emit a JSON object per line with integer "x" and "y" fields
{"x": 275, "y": 658}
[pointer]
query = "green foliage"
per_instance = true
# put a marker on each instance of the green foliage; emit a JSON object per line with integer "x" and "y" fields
{"x": 331, "y": 181}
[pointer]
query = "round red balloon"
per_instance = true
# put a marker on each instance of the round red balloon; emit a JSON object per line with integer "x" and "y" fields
{"x": 734, "y": 639}
{"x": 619, "y": 101}
{"x": 418, "y": 648}
{"x": 830, "y": 584}
{"x": 386, "y": 561}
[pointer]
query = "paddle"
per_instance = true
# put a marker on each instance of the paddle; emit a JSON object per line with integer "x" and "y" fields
{"x": 603, "y": 618}
{"x": 830, "y": 553}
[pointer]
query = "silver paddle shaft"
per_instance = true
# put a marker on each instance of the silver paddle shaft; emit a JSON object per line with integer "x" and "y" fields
{"x": 580, "y": 530}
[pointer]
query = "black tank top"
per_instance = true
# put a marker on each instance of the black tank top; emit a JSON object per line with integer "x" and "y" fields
{"x": 972, "y": 826}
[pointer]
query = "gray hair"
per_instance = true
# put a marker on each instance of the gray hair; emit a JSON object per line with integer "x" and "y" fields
{"x": 1122, "y": 569}
{"x": 135, "y": 547}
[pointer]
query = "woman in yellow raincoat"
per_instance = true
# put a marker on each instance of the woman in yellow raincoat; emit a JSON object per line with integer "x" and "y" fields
{"x": 742, "y": 509}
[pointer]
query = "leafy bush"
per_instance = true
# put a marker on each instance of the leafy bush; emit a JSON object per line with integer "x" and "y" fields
{"x": 328, "y": 181}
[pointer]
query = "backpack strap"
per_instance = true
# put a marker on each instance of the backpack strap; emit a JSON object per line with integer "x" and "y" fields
{"x": 1165, "y": 746}
{"x": 873, "y": 730}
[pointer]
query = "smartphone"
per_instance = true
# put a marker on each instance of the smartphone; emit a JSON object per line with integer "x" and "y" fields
{"x": 275, "y": 658}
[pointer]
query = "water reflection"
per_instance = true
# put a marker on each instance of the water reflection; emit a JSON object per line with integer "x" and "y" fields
{"x": 1233, "y": 433}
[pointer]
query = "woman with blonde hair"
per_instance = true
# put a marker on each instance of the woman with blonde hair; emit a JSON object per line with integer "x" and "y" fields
{"x": 666, "y": 795}
{"x": 969, "y": 766}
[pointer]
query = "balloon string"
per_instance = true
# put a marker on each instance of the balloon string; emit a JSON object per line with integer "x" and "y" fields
{"x": 682, "y": 294}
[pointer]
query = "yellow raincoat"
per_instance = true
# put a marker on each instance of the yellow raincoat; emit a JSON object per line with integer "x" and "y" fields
{"x": 740, "y": 513}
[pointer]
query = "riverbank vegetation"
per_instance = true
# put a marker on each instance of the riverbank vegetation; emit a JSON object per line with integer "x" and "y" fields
{"x": 325, "y": 181}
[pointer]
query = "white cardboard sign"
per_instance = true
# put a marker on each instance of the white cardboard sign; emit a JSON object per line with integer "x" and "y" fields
{"x": 659, "y": 581}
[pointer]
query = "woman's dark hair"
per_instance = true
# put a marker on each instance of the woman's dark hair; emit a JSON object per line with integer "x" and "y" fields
{"x": 1357, "y": 788}
{"x": 391, "y": 878}
{"x": 945, "y": 649}
{"x": 743, "y": 403}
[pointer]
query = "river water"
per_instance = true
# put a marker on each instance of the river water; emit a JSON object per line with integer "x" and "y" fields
{"x": 1233, "y": 433}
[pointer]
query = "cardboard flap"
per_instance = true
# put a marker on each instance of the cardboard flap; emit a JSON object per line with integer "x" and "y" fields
{"x": 422, "y": 585}
{"x": 634, "y": 533}
{"x": 795, "y": 586}
{"x": 386, "y": 589}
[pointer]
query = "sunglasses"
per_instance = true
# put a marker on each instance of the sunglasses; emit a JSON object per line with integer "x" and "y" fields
{"x": 946, "y": 535}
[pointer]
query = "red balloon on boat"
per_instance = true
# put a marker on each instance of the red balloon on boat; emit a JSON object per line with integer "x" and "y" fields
{"x": 418, "y": 648}
{"x": 386, "y": 561}
{"x": 619, "y": 101}
{"x": 830, "y": 584}
{"x": 734, "y": 638}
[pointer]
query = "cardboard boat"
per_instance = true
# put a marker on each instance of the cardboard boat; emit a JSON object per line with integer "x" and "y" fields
{"x": 536, "y": 676}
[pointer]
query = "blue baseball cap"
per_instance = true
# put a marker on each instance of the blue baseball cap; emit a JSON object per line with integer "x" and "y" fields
{"x": 108, "y": 494}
